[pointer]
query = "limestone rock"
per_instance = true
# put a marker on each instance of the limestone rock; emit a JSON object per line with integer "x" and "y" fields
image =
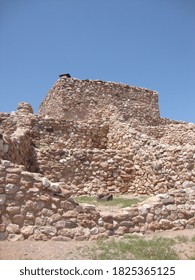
{"x": 154, "y": 226}
{"x": 27, "y": 231}
{"x": 11, "y": 188}
{"x": 13, "y": 228}
{"x": 2, "y": 198}
{"x": 165, "y": 224}
{"x": 67, "y": 232}
{"x": 24, "y": 108}
{"x": 67, "y": 205}
{"x": 94, "y": 231}
{"x": 18, "y": 219}
{"x": 38, "y": 205}
{"x": 48, "y": 230}
{"x": 82, "y": 234}
{"x": 40, "y": 236}
{"x": 46, "y": 183}
{"x": 13, "y": 210}
{"x": 15, "y": 237}
{"x": 122, "y": 230}
{"x": 6, "y": 163}
{"x": 55, "y": 188}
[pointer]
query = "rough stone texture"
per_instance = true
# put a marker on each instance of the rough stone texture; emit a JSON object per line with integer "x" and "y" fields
{"x": 24, "y": 108}
{"x": 39, "y": 214}
{"x": 91, "y": 137}
{"x": 88, "y": 98}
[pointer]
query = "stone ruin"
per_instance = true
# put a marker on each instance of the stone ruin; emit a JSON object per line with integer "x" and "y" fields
{"x": 92, "y": 137}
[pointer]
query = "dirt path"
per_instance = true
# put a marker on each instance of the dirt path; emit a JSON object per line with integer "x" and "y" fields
{"x": 42, "y": 250}
{"x": 74, "y": 250}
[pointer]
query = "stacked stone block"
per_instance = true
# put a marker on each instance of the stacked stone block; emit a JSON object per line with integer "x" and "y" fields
{"x": 73, "y": 99}
{"x": 92, "y": 137}
{"x": 32, "y": 207}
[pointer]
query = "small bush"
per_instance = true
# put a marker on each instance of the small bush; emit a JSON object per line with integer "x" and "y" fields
{"x": 193, "y": 239}
{"x": 182, "y": 239}
{"x": 135, "y": 248}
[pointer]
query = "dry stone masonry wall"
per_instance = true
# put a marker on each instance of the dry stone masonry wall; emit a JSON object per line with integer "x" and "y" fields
{"x": 92, "y": 137}
{"x": 98, "y": 100}
{"x": 32, "y": 207}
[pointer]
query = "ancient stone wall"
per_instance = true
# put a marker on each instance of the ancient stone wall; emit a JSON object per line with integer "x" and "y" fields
{"x": 92, "y": 137}
{"x": 133, "y": 162}
{"x": 15, "y": 134}
{"x": 32, "y": 207}
{"x": 173, "y": 210}
{"x": 124, "y": 134}
{"x": 69, "y": 134}
{"x": 73, "y": 99}
{"x": 142, "y": 171}
{"x": 88, "y": 171}
{"x": 180, "y": 134}
{"x": 95, "y": 157}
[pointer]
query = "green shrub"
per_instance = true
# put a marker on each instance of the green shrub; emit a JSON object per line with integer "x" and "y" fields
{"x": 135, "y": 248}
{"x": 117, "y": 201}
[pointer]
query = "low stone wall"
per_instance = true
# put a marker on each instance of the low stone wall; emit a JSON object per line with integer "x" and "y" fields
{"x": 174, "y": 210}
{"x": 31, "y": 207}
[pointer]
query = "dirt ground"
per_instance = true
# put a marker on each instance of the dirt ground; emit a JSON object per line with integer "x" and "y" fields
{"x": 75, "y": 250}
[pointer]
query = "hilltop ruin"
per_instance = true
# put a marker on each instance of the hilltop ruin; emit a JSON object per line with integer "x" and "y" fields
{"x": 90, "y": 137}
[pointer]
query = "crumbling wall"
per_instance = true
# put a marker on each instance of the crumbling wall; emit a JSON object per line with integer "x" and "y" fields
{"x": 73, "y": 99}
{"x": 133, "y": 162}
{"x": 69, "y": 134}
{"x": 171, "y": 211}
{"x": 32, "y": 207}
{"x": 160, "y": 152}
{"x": 92, "y": 137}
{"x": 180, "y": 134}
{"x": 92, "y": 157}
{"x": 15, "y": 135}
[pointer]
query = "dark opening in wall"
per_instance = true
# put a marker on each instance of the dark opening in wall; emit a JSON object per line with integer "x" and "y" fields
{"x": 49, "y": 129}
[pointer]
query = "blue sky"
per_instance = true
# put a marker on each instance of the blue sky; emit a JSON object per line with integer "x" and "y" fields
{"x": 147, "y": 43}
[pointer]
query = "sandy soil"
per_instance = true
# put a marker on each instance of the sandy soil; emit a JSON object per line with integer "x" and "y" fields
{"x": 75, "y": 250}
